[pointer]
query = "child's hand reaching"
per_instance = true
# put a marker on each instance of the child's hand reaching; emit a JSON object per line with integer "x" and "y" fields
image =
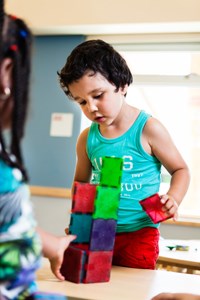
{"x": 54, "y": 248}
{"x": 170, "y": 206}
{"x": 56, "y": 261}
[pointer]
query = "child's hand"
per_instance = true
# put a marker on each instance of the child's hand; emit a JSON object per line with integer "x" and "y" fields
{"x": 56, "y": 261}
{"x": 176, "y": 296}
{"x": 170, "y": 206}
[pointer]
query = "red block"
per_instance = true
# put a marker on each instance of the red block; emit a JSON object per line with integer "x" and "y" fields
{"x": 153, "y": 208}
{"x": 81, "y": 246}
{"x": 98, "y": 267}
{"x": 73, "y": 264}
{"x": 83, "y": 197}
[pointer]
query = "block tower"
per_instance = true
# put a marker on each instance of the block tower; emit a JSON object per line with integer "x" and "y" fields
{"x": 93, "y": 220}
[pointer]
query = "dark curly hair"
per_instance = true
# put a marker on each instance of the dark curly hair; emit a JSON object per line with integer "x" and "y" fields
{"x": 97, "y": 56}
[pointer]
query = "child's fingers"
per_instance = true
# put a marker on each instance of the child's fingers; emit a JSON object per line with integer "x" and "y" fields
{"x": 59, "y": 275}
{"x": 69, "y": 239}
{"x": 164, "y": 199}
{"x": 55, "y": 268}
{"x": 67, "y": 230}
{"x": 175, "y": 217}
{"x": 169, "y": 205}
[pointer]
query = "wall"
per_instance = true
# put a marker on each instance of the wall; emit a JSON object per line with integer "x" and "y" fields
{"x": 106, "y": 16}
{"x": 170, "y": 231}
{"x": 50, "y": 160}
{"x": 82, "y": 17}
{"x": 59, "y": 216}
{"x": 52, "y": 214}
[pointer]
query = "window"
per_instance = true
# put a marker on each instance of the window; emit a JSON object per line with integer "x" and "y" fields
{"x": 167, "y": 85}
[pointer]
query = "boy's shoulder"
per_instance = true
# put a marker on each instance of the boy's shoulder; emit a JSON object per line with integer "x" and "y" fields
{"x": 84, "y": 135}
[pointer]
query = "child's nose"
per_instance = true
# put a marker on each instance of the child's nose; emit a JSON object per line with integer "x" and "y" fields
{"x": 92, "y": 107}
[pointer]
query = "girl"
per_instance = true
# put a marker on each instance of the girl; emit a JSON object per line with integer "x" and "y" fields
{"x": 20, "y": 245}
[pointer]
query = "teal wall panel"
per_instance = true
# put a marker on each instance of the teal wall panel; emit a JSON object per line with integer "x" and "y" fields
{"x": 50, "y": 160}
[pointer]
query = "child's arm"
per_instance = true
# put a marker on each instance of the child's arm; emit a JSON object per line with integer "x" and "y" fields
{"x": 157, "y": 141}
{"x": 176, "y": 296}
{"x": 83, "y": 165}
{"x": 54, "y": 248}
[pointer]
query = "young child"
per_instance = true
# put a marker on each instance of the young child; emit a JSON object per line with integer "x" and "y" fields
{"x": 96, "y": 77}
{"x": 20, "y": 245}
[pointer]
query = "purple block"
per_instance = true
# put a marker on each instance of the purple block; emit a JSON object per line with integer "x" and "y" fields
{"x": 103, "y": 235}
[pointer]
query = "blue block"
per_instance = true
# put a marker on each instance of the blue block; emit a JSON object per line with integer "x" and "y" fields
{"x": 80, "y": 225}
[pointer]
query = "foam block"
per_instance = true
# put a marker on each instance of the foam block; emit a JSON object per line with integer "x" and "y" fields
{"x": 103, "y": 235}
{"x": 73, "y": 264}
{"x": 106, "y": 203}
{"x": 98, "y": 267}
{"x": 111, "y": 171}
{"x": 153, "y": 208}
{"x": 80, "y": 225}
{"x": 83, "y": 197}
{"x": 94, "y": 220}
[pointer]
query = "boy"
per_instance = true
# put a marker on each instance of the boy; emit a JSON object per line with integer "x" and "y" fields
{"x": 97, "y": 77}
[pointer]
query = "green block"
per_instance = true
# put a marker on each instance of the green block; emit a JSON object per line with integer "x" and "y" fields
{"x": 106, "y": 203}
{"x": 111, "y": 171}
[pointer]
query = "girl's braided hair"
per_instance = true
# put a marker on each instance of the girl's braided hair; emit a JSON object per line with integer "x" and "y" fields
{"x": 16, "y": 43}
{"x": 1, "y": 22}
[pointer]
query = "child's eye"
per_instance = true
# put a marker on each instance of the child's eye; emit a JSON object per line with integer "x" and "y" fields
{"x": 82, "y": 102}
{"x": 98, "y": 96}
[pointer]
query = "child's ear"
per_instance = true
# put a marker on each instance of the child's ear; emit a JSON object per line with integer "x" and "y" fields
{"x": 124, "y": 89}
{"x": 6, "y": 69}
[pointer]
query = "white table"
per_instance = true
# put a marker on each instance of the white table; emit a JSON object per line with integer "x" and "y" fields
{"x": 184, "y": 259}
{"x": 125, "y": 284}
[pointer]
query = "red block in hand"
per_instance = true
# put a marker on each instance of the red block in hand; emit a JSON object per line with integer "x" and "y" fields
{"x": 153, "y": 208}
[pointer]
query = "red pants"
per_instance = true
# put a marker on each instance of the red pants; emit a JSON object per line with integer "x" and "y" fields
{"x": 137, "y": 249}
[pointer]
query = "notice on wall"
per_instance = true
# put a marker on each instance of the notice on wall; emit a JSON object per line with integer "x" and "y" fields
{"x": 61, "y": 124}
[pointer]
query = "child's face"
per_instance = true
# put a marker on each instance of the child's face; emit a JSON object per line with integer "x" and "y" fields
{"x": 98, "y": 98}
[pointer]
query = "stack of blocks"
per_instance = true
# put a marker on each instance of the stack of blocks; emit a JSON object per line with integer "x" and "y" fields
{"x": 94, "y": 220}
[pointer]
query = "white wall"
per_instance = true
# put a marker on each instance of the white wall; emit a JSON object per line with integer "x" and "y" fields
{"x": 53, "y": 215}
{"x": 107, "y": 16}
{"x": 103, "y": 17}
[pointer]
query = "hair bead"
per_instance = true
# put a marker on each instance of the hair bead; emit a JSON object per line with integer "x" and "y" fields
{"x": 14, "y": 47}
{"x": 13, "y": 17}
{"x": 23, "y": 33}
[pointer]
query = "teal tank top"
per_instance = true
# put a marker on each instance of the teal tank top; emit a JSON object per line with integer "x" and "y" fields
{"x": 141, "y": 172}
